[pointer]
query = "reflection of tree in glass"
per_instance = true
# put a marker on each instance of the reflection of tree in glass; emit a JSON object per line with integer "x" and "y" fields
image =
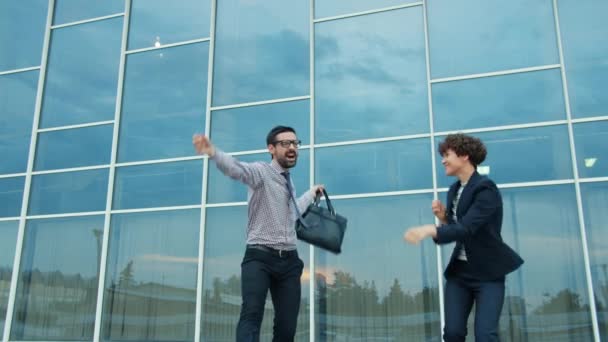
{"x": 126, "y": 276}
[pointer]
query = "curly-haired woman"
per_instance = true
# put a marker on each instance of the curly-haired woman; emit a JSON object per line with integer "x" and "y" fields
{"x": 480, "y": 260}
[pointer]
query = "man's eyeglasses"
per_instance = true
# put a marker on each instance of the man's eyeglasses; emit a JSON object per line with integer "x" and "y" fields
{"x": 287, "y": 143}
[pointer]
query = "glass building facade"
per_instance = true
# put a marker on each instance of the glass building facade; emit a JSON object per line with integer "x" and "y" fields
{"x": 111, "y": 229}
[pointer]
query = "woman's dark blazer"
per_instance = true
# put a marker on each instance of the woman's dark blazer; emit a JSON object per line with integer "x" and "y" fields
{"x": 479, "y": 214}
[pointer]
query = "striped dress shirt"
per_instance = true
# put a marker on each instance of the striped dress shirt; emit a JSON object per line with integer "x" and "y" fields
{"x": 271, "y": 215}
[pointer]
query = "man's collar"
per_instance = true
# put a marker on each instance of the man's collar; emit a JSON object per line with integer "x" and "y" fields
{"x": 275, "y": 165}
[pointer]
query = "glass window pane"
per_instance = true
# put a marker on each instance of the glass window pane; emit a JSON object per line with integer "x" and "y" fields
{"x": 17, "y": 105}
{"x": 499, "y": 100}
{"x": 68, "y": 192}
{"x": 67, "y": 11}
{"x": 11, "y": 196}
{"x": 361, "y": 299}
{"x": 371, "y": 69}
{"x": 164, "y": 102}
{"x": 245, "y": 128}
{"x": 156, "y": 22}
{"x": 22, "y": 34}
{"x": 222, "y": 189}
{"x": 584, "y": 32}
{"x": 591, "y": 141}
{"x": 264, "y": 49}
{"x": 150, "y": 286}
{"x": 75, "y": 92}
{"x": 476, "y": 36}
{"x": 158, "y": 185}
{"x": 521, "y": 155}
{"x": 377, "y": 167}
{"x": 547, "y": 298}
{"x": 328, "y": 8}
{"x": 8, "y": 242}
{"x": 57, "y": 288}
{"x": 225, "y": 236}
{"x": 595, "y": 202}
{"x": 74, "y": 147}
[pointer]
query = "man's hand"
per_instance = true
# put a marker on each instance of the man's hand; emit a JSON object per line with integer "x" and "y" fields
{"x": 439, "y": 211}
{"x": 317, "y": 189}
{"x": 202, "y": 145}
{"x": 416, "y": 234}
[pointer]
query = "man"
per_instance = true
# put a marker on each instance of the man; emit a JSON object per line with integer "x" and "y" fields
{"x": 271, "y": 260}
{"x": 480, "y": 260}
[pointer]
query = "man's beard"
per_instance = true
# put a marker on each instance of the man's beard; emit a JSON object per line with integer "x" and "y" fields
{"x": 287, "y": 163}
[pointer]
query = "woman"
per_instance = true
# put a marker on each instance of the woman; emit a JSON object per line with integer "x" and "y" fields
{"x": 480, "y": 260}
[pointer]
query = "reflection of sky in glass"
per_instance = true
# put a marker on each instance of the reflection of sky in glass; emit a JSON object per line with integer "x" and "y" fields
{"x": 475, "y": 36}
{"x": 584, "y": 32}
{"x": 591, "y": 141}
{"x": 82, "y": 73}
{"x": 74, "y": 10}
{"x": 328, "y": 8}
{"x": 262, "y": 50}
{"x": 595, "y": 201}
{"x": 164, "y": 102}
{"x": 163, "y": 247}
{"x": 245, "y": 128}
{"x": 22, "y": 33}
{"x": 224, "y": 189}
{"x": 79, "y": 236}
{"x": 68, "y": 192}
{"x": 17, "y": 105}
{"x": 370, "y": 69}
{"x": 165, "y": 22}
{"x": 74, "y": 147}
{"x": 375, "y": 167}
{"x": 522, "y": 155}
{"x": 158, "y": 185}
{"x": 11, "y": 195}
{"x": 500, "y": 100}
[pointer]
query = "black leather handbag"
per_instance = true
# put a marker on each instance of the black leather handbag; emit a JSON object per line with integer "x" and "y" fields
{"x": 322, "y": 227}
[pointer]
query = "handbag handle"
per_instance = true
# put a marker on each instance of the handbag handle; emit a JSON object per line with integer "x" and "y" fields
{"x": 327, "y": 200}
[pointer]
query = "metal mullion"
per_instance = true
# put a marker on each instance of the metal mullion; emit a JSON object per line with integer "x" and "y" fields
{"x": 438, "y": 253}
{"x": 204, "y": 188}
{"x": 111, "y": 174}
{"x": 577, "y": 187}
{"x": 28, "y": 177}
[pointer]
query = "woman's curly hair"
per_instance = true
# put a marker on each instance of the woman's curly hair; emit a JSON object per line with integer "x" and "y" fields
{"x": 464, "y": 145}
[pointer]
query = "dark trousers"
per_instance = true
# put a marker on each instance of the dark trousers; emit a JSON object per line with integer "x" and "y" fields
{"x": 267, "y": 270}
{"x": 460, "y": 293}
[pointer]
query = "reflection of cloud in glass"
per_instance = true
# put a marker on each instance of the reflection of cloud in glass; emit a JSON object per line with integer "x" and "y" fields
{"x": 371, "y": 69}
{"x": 81, "y": 83}
{"x": 164, "y": 102}
{"x": 264, "y": 50}
{"x": 74, "y": 10}
{"x": 584, "y": 31}
{"x": 499, "y": 100}
{"x": 155, "y": 19}
{"x": 22, "y": 33}
{"x": 477, "y": 36}
{"x": 328, "y": 8}
{"x": 245, "y": 128}
{"x": 74, "y": 147}
{"x": 17, "y": 105}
